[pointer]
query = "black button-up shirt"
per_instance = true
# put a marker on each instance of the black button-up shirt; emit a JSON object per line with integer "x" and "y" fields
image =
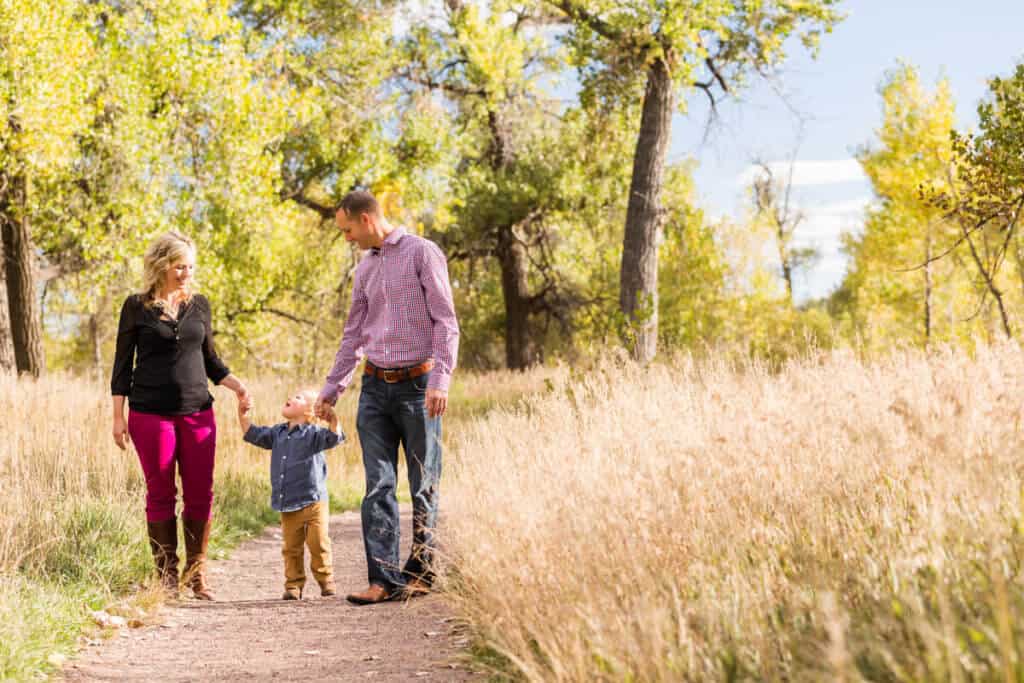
{"x": 162, "y": 366}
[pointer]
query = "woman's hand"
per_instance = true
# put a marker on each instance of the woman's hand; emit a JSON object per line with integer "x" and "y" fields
{"x": 121, "y": 437}
{"x": 244, "y": 397}
{"x": 241, "y": 392}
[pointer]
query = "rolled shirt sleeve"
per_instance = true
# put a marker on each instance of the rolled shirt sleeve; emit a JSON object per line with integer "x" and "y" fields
{"x": 260, "y": 436}
{"x": 325, "y": 439}
{"x": 351, "y": 348}
{"x": 441, "y": 308}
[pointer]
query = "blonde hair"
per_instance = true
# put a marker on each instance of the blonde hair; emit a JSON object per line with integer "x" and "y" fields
{"x": 162, "y": 254}
{"x": 311, "y": 396}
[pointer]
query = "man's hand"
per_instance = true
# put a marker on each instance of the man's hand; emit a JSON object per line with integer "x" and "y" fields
{"x": 323, "y": 409}
{"x": 437, "y": 402}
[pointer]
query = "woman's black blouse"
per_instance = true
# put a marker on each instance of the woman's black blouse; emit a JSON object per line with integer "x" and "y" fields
{"x": 162, "y": 365}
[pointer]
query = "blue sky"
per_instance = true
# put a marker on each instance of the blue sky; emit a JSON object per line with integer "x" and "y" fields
{"x": 837, "y": 94}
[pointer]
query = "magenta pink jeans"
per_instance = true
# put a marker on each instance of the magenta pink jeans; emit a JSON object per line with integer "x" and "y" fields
{"x": 188, "y": 440}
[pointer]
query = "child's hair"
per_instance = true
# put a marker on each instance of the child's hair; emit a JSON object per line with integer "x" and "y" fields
{"x": 311, "y": 397}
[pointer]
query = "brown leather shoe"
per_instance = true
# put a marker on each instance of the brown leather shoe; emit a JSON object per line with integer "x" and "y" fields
{"x": 414, "y": 588}
{"x": 197, "y": 538}
{"x": 371, "y": 596}
{"x": 292, "y": 594}
{"x": 328, "y": 589}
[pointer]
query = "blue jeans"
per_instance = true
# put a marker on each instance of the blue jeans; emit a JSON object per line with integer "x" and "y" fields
{"x": 390, "y": 414}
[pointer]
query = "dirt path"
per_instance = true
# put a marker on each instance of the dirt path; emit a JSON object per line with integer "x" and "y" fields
{"x": 249, "y": 633}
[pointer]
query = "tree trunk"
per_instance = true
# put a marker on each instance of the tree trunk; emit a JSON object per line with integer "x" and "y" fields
{"x": 927, "y": 287}
{"x": 95, "y": 342}
{"x": 638, "y": 292}
{"x": 520, "y": 344}
{"x": 6, "y": 341}
{"x": 990, "y": 282}
{"x": 787, "y": 265}
{"x": 26, "y": 322}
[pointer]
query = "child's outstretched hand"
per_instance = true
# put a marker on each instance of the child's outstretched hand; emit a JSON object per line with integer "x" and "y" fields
{"x": 327, "y": 414}
{"x": 243, "y": 415}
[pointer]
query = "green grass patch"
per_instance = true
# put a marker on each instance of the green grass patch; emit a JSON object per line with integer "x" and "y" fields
{"x": 344, "y": 498}
{"x": 97, "y": 555}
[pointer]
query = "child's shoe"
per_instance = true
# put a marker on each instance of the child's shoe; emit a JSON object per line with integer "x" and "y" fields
{"x": 292, "y": 594}
{"x": 328, "y": 589}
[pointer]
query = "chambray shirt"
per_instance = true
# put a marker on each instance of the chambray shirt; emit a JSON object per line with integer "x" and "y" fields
{"x": 298, "y": 468}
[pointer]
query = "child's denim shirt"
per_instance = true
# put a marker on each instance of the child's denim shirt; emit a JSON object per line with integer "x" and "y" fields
{"x": 298, "y": 468}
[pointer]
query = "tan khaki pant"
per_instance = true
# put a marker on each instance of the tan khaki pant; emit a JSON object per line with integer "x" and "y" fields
{"x": 307, "y": 526}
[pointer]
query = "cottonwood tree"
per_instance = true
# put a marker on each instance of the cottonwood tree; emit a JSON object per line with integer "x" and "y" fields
{"x": 46, "y": 78}
{"x": 660, "y": 53}
{"x": 986, "y": 196}
{"x": 522, "y": 194}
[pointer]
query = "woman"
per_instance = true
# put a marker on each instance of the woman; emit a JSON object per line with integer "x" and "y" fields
{"x": 164, "y": 356}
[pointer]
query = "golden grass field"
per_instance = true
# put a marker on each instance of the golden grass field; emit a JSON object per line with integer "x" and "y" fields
{"x": 72, "y": 521}
{"x": 838, "y": 519}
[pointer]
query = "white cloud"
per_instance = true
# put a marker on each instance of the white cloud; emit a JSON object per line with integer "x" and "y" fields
{"x": 809, "y": 173}
{"x": 829, "y": 220}
{"x": 821, "y": 228}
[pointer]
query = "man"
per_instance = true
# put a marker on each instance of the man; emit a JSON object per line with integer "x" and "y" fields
{"x": 403, "y": 319}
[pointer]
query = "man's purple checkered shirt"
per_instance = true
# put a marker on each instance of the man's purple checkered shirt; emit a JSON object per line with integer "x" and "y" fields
{"x": 402, "y": 313}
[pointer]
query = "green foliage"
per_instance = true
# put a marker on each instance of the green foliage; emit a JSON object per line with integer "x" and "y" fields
{"x": 939, "y": 230}
{"x": 692, "y": 270}
{"x": 886, "y": 280}
{"x": 612, "y": 40}
{"x": 242, "y": 124}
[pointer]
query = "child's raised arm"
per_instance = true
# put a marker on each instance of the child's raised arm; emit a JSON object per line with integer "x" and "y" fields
{"x": 257, "y": 436}
{"x": 332, "y": 436}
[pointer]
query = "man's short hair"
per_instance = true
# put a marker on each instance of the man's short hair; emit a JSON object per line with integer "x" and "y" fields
{"x": 359, "y": 202}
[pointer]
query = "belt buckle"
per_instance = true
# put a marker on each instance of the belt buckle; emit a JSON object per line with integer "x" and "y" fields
{"x": 392, "y": 376}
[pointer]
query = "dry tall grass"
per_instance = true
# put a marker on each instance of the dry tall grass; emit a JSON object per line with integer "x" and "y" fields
{"x": 57, "y": 451}
{"x": 72, "y": 520}
{"x": 72, "y": 506}
{"x": 838, "y": 520}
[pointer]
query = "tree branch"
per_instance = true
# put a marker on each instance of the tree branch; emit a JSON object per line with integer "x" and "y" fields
{"x": 275, "y": 311}
{"x": 594, "y": 22}
{"x": 326, "y": 212}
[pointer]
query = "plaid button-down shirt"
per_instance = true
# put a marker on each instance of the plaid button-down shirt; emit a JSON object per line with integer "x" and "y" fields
{"x": 402, "y": 313}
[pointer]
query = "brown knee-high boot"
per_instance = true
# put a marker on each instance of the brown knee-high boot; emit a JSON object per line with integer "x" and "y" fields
{"x": 163, "y": 541}
{"x": 197, "y": 537}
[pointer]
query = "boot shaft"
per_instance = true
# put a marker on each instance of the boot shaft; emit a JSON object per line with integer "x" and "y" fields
{"x": 163, "y": 542}
{"x": 197, "y": 538}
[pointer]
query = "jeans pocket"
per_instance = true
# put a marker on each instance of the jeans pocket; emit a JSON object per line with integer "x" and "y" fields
{"x": 421, "y": 383}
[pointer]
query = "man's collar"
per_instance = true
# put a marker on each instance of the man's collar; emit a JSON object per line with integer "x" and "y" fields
{"x": 391, "y": 239}
{"x": 394, "y": 236}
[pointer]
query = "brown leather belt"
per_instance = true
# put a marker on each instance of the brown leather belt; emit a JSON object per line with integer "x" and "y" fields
{"x": 392, "y": 375}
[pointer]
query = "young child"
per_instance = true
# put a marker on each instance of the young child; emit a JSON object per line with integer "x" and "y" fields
{"x": 298, "y": 479}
